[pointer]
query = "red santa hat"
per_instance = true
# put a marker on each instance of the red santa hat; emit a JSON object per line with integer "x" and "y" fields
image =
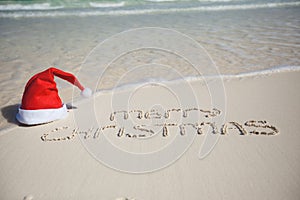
{"x": 40, "y": 102}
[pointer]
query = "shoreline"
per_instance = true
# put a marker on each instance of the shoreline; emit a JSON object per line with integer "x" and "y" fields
{"x": 203, "y": 79}
{"x": 92, "y": 11}
{"x": 67, "y": 92}
{"x": 191, "y": 80}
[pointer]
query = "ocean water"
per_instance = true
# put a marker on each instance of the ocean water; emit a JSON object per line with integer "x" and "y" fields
{"x": 39, "y": 8}
{"x": 242, "y": 37}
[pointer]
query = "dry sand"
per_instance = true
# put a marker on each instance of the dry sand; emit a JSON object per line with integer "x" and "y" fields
{"x": 262, "y": 165}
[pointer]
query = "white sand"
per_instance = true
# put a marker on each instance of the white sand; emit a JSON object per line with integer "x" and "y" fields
{"x": 239, "y": 166}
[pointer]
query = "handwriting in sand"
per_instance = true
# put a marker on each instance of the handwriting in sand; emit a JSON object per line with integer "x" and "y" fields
{"x": 250, "y": 127}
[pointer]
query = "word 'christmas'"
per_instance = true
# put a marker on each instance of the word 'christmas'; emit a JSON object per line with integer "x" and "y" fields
{"x": 250, "y": 127}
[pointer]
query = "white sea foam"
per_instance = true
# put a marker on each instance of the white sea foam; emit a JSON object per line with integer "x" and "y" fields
{"x": 204, "y": 79}
{"x": 107, "y": 4}
{"x": 264, "y": 72}
{"x": 159, "y": 1}
{"x": 41, "y": 6}
{"x": 220, "y": 1}
{"x": 87, "y": 12}
{"x": 258, "y": 73}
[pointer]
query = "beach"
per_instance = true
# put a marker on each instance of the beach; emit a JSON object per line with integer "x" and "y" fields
{"x": 191, "y": 100}
{"x": 238, "y": 167}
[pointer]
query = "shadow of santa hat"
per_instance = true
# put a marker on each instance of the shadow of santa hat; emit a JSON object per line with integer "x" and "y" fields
{"x": 40, "y": 102}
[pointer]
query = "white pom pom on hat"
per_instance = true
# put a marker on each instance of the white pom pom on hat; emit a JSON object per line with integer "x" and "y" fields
{"x": 41, "y": 102}
{"x": 86, "y": 92}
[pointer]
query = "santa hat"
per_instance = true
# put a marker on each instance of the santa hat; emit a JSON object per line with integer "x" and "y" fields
{"x": 40, "y": 102}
